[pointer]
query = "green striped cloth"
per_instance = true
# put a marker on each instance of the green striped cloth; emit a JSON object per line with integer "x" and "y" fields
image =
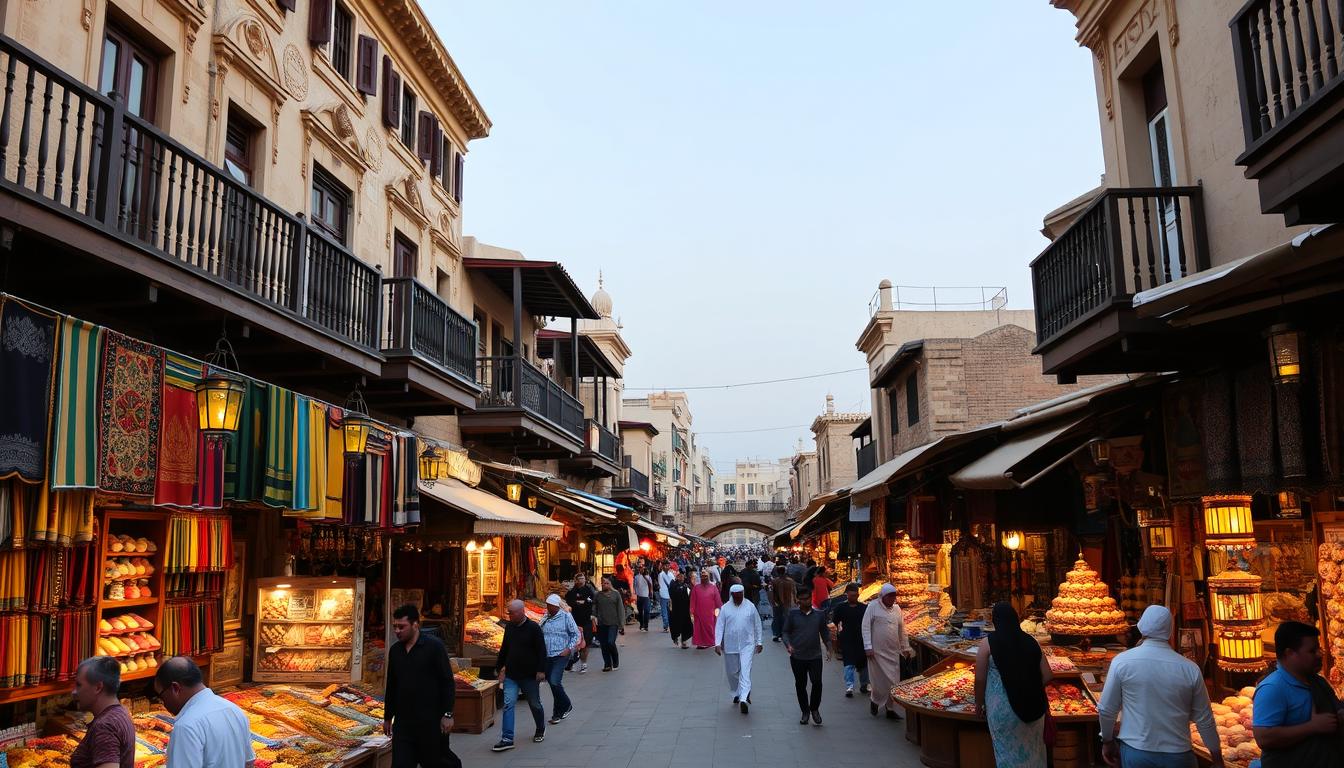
{"x": 74, "y": 461}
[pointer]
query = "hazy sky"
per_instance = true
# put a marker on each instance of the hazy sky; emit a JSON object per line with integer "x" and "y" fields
{"x": 744, "y": 173}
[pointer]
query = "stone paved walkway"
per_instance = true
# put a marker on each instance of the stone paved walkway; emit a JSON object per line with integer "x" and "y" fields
{"x": 668, "y": 707}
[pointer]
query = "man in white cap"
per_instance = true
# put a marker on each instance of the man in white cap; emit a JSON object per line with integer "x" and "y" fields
{"x": 562, "y": 641}
{"x": 1161, "y": 692}
{"x": 884, "y": 643}
{"x": 737, "y": 638}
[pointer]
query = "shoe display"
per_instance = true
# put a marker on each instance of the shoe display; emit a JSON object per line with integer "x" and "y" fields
{"x": 816, "y": 717}
{"x": 502, "y": 746}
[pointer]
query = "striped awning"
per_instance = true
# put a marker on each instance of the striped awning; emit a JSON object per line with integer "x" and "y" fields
{"x": 494, "y": 516}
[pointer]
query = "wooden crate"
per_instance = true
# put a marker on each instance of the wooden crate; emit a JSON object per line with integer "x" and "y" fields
{"x": 474, "y": 710}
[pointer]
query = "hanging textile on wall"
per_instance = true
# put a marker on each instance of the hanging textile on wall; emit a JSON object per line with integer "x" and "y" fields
{"x": 132, "y": 378}
{"x": 74, "y": 445}
{"x": 406, "y": 479}
{"x": 355, "y": 480}
{"x": 199, "y": 543}
{"x": 27, "y": 388}
{"x": 210, "y": 457}
{"x": 335, "y": 456}
{"x": 317, "y": 459}
{"x": 245, "y": 462}
{"x": 176, "y": 482}
{"x": 192, "y": 628}
{"x": 306, "y": 497}
{"x": 279, "y": 483}
{"x": 58, "y": 517}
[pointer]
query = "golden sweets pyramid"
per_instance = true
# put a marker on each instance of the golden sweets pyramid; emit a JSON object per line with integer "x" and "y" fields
{"x": 1084, "y": 605}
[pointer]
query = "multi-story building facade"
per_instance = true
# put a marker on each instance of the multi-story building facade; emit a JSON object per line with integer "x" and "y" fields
{"x": 702, "y": 473}
{"x": 804, "y": 479}
{"x": 672, "y": 480}
{"x": 936, "y": 372}
{"x": 754, "y": 486}
{"x": 1218, "y": 148}
{"x": 837, "y": 460}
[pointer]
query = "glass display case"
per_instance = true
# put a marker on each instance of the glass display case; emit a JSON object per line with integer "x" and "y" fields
{"x": 309, "y": 630}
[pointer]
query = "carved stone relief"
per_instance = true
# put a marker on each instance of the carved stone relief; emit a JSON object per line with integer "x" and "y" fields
{"x": 296, "y": 72}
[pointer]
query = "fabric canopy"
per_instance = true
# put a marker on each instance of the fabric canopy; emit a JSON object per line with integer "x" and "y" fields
{"x": 995, "y": 470}
{"x": 873, "y": 485}
{"x": 494, "y": 516}
{"x": 579, "y": 506}
{"x": 599, "y": 499}
{"x": 632, "y": 538}
{"x": 673, "y": 538}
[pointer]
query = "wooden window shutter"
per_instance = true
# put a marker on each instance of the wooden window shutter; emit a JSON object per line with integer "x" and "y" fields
{"x": 285, "y": 5}
{"x": 436, "y": 151}
{"x": 391, "y": 95}
{"x": 424, "y": 136}
{"x": 366, "y": 68}
{"x": 319, "y": 21}
{"x": 458, "y": 162}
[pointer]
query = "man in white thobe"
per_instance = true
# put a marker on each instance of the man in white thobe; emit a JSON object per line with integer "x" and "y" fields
{"x": 737, "y": 638}
{"x": 884, "y": 642}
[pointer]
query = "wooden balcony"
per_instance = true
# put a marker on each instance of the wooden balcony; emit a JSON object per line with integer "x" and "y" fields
{"x": 159, "y": 237}
{"x": 1289, "y": 58}
{"x": 521, "y": 410}
{"x": 601, "y": 454}
{"x": 632, "y": 487}
{"x": 430, "y": 350}
{"x": 1126, "y": 241}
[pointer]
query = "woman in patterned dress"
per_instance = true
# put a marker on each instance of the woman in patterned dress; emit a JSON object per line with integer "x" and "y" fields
{"x": 1010, "y": 677}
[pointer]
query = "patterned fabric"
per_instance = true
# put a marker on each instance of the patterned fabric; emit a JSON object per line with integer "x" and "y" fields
{"x": 27, "y": 388}
{"x": 62, "y": 517}
{"x": 245, "y": 461}
{"x": 279, "y": 483}
{"x": 176, "y": 482}
{"x": 1015, "y": 743}
{"x": 210, "y": 456}
{"x": 74, "y": 461}
{"x": 305, "y": 474}
{"x": 406, "y": 479}
{"x": 131, "y": 409}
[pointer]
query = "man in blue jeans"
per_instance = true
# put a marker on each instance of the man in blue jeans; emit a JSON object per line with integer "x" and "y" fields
{"x": 522, "y": 665}
{"x": 562, "y": 641}
{"x": 665, "y": 579}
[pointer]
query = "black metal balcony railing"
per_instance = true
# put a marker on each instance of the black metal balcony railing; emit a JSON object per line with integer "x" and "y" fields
{"x": 511, "y": 383}
{"x": 607, "y": 444}
{"x": 867, "y": 458}
{"x": 417, "y": 322}
{"x": 1288, "y": 56}
{"x": 69, "y": 148}
{"x": 635, "y": 480}
{"x": 1126, "y": 241}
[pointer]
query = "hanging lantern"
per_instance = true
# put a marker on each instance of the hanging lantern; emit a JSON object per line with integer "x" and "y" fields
{"x": 1238, "y": 619}
{"x": 488, "y": 545}
{"x": 1285, "y": 356}
{"x": 1012, "y": 540}
{"x": 1150, "y": 517}
{"x": 358, "y": 425}
{"x": 514, "y": 491}
{"x": 219, "y": 393}
{"x": 1227, "y": 522}
{"x": 471, "y": 545}
{"x": 430, "y": 465}
{"x": 531, "y": 502}
{"x": 1290, "y": 505}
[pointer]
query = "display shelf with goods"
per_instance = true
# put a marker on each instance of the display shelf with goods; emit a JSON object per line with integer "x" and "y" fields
{"x": 908, "y": 574}
{"x": 310, "y": 629}
{"x": 131, "y": 594}
{"x": 1330, "y": 568}
{"x": 1233, "y": 716}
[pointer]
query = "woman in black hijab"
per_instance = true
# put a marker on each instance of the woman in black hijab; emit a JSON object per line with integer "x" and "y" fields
{"x": 1010, "y": 677}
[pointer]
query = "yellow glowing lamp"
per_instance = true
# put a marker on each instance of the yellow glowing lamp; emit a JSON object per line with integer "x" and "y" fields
{"x": 1161, "y": 540}
{"x": 489, "y": 545}
{"x": 583, "y": 545}
{"x": 1241, "y": 652}
{"x": 219, "y": 401}
{"x": 471, "y": 545}
{"x": 1285, "y": 354}
{"x": 1227, "y": 521}
{"x": 514, "y": 491}
{"x": 1013, "y": 540}
{"x": 645, "y": 545}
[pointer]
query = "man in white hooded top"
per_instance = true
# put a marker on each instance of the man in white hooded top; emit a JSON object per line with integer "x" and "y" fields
{"x": 884, "y": 642}
{"x": 737, "y": 638}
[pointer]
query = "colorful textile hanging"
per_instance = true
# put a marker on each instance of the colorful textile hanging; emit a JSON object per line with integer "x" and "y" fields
{"x": 199, "y": 543}
{"x": 356, "y": 479}
{"x": 244, "y": 467}
{"x": 406, "y": 481}
{"x": 279, "y": 486}
{"x": 194, "y": 584}
{"x": 210, "y": 457}
{"x": 176, "y": 482}
{"x": 192, "y": 628}
{"x": 58, "y": 517}
{"x": 335, "y": 435}
{"x": 27, "y": 388}
{"x": 131, "y": 389}
{"x": 303, "y": 455}
{"x": 74, "y": 445}
{"x": 36, "y": 648}
{"x": 317, "y": 458}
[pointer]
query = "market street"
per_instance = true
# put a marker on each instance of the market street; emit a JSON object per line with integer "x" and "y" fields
{"x": 670, "y": 707}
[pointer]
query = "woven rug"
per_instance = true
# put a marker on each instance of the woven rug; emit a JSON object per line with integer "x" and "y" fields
{"x": 131, "y": 409}
{"x": 27, "y": 382}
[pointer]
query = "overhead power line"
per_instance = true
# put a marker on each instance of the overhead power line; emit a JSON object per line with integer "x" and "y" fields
{"x": 762, "y": 429}
{"x": 744, "y": 383}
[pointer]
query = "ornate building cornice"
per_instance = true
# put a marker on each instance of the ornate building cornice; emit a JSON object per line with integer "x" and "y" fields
{"x": 410, "y": 24}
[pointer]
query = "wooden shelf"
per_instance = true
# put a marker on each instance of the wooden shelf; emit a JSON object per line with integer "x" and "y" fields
{"x": 136, "y": 603}
{"x": 39, "y": 691}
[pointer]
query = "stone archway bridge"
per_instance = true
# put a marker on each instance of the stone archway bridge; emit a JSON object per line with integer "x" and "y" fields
{"x": 710, "y": 520}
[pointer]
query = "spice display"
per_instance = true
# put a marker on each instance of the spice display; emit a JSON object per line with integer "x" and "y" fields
{"x": 484, "y": 630}
{"x": 1084, "y": 606}
{"x": 952, "y": 690}
{"x": 1068, "y": 699}
{"x": 1233, "y": 717}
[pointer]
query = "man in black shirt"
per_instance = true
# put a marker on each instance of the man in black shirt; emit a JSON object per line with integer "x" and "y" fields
{"x": 418, "y": 702}
{"x": 751, "y": 581}
{"x": 580, "y": 599}
{"x": 522, "y": 664}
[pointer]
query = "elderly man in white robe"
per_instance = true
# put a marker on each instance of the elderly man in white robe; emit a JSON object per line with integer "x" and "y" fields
{"x": 737, "y": 638}
{"x": 884, "y": 643}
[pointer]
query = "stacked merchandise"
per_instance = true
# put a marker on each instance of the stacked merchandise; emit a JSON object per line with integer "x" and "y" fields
{"x": 200, "y": 550}
{"x": 36, "y": 647}
{"x": 1084, "y": 606}
{"x": 470, "y": 678}
{"x": 910, "y": 580}
{"x": 1330, "y": 566}
{"x": 952, "y": 690}
{"x": 192, "y": 628}
{"x": 128, "y": 639}
{"x": 1233, "y": 716}
{"x": 484, "y": 631}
